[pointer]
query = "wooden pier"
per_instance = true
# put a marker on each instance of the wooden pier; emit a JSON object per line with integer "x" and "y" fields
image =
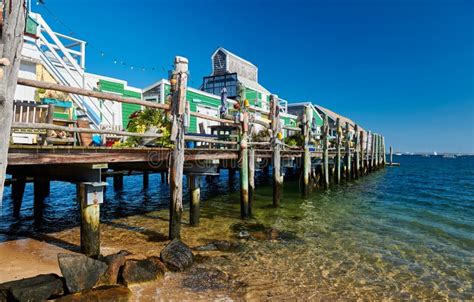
{"x": 322, "y": 161}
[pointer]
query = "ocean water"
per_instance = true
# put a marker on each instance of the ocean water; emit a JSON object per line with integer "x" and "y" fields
{"x": 400, "y": 233}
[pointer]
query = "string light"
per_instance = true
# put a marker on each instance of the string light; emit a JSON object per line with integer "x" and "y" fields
{"x": 101, "y": 53}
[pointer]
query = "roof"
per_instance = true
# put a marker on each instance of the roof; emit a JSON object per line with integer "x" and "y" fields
{"x": 232, "y": 55}
{"x": 305, "y": 104}
{"x": 333, "y": 115}
{"x": 252, "y": 85}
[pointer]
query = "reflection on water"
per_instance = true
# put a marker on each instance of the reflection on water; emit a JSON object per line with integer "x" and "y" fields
{"x": 402, "y": 233}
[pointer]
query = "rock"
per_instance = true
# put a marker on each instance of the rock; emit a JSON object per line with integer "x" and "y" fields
{"x": 203, "y": 279}
{"x": 80, "y": 272}
{"x": 114, "y": 264}
{"x": 101, "y": 294}
{"x": 219, "y": 245}
{"x": 38, "y": 288}
{"x": 177, "y": 256}
{"x": 139, "y": 271}
{"x": 243, "y": 235}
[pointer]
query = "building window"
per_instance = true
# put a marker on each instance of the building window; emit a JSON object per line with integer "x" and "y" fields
{"x": 214, "y": 84}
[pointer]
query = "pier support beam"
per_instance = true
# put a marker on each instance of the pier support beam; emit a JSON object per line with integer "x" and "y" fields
{"x": 40, "y": 186}
{"x": 362, "y": 153}
{"x": 91, "y": 196}
{"x": 118, "y": 181}
{"x": 372, "y": 152}
{"x": 377, "y": 146}
{"x": 146, "y": 176}
{"x": 276, "y": 146}
{"x": 194, "y": 205}
{"x": 244, "y": 167}
{"x": 348, "y": 152}
{"x": 356, "y": 152}
{"x": 251, "y": 178}
{"x": 367, "y": 152}
{"x": 178, "y": 81}
{"x": 384, "y": 155}
{"x": 326, "y": 152}
{"x": 11, "y": 44}
{"x": 391, "y": 156}
{"x": 307, "y": 119}
{"x": 338, "y": 150}
{"x": 18, "y": 191}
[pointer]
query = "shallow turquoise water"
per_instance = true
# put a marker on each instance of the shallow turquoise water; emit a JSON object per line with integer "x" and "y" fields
{"x": 403, "y": 233}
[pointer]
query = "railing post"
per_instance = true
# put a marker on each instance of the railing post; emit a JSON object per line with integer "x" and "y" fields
{"x": 11, "y": 44}
{"x": 307, "y": 118}
{"x": 244, "y": 166}
{"x": 326, "y": 152}
{"x": 276, "y": 144}
{"x": 338, "y": 150}
{"x": 348, "y": 152}
{"x": 178, "y": 81}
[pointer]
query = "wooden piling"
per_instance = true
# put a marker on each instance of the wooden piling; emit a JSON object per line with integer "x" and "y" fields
{"x": 372, "y": 152}
{"x": 276, "y": 146}
{"x": 251, "y": 178}
{"x": 391, "y": 156}
{"x": 384, "y": 155}
{"x": 362, "y": 153}
{"x": 377, "y": 146}
{"x": 90, "y": 196}
{"x": 18, "y": 191}
{"x": 11, "y": 44}
{"x": 195, "y": 192}
{"x": 326, "y": 152}
{"x": 178, "y": 81}
{"x": 367, "y": 152}
{"x": 348, "y": 152}
{"x": 356, "y": 151}
{"x": 338, "y": 150}
{"x": 307, "y": 119}
{"x": 244, "y": 167}
{"x": 146, "y": 178}
{"x": 118, "y": 181}
{"x": 38, "y": 199}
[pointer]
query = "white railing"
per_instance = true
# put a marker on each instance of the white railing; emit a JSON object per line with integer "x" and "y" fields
{"x": 66, "y": 64}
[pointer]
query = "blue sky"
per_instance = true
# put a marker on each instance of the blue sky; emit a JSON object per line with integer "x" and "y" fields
{"x": 401, "y": 68}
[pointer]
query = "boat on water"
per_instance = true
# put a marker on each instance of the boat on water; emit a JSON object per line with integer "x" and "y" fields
{"x": 449, "y": 156}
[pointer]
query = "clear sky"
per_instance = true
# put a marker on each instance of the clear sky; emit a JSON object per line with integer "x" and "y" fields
{"x": 401, "y": 68}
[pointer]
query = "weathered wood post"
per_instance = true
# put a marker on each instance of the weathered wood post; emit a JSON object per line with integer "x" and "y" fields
{"x": 362, "y": 153}
{"x": 179, "y": 79}
{"x": 18, "y": 191}
{"x": 356, "y": 151}
{"x": 326, "y": 152}
{"x": 195, "y": 188}
{"x": 11, "y": 44}
{"x": 244, "y": 166}
{"x": 367, "y": 152}
{"x": 118, "y": 180}
{"x": 307, "y": 119}
{"x": 338, "y": 150}
{"x": 372, "y": 153}
{"x": 391, "y": 156}
{"x": 377, "y": 145}
{"x": 384, "y": 151}
{"x": 348, "y": 152}
{"x": 145, "y": 179}
{"x": 276, "y": 146}
{"x": 90, "y": 195}
{"x": 251, "y": 177}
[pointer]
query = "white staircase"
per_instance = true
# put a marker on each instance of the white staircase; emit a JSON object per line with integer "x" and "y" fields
{"x": 66, "y": 63}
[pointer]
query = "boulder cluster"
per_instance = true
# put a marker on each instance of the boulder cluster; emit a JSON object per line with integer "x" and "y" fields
{"x": 103, "y": 279}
